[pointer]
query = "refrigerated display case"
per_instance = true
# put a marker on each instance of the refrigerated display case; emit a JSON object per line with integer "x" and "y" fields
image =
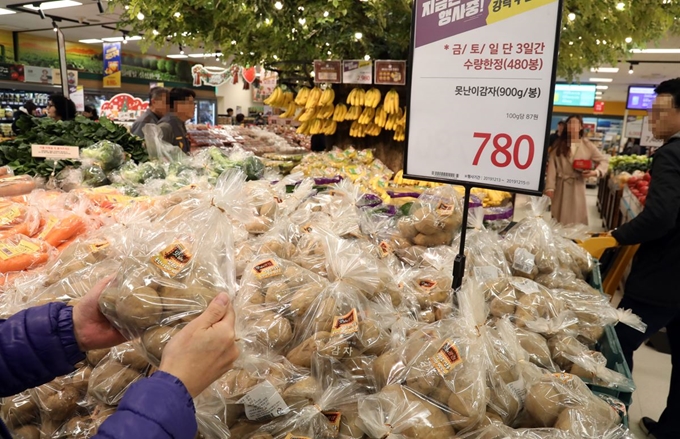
{"x": 206, "y": 112}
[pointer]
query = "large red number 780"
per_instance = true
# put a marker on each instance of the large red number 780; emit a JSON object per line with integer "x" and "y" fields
{"x": 502, "y": 143}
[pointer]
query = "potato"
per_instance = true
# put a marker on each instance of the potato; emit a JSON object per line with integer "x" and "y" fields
{"x": 504, "y": 404}
{"x": 107, "y": 303}
{"x": 582, "y": 422}
{"x": 19, "y": 410}
{"x": 243, "y": 428}
{"x": 49, "y": 427}
{"x": 268, "y": 209}
{"x": 407, "y": 229}
{"x": 441, "y": 394}
{"x": 303, "y": 298}
{"x": 110, "y": 380}
{"x": 537, "y": 348}
{"x": 59, "y": 403}
{"x": 337, "y": 346}
{"x": 423, "y": 382}
{"x": 277, "y": 292}
{"x": 426, "y": 223}
{"x": 349, "y": 422}
{"x": 302, "y": 354}
{"x": 385, "y": 367}
{"x": 258, "y": 225}
{"x": 544, "y": 403}
{"x": 27, "y": 432}
{"x": 323, "y": 317}
{"x": 302, "y": 393}
{"x": 564, "y": 344}
{"x": 439, "y": 425}
{"x": 273, "y": 330}
{"x": 79, "y": 427}
{"x": 433, "y": 240}
{"x": 132, "y": 357}
{"x": 371, "y": 339}
{"x": 236, "y": 383}
{"x": 95, "y": 356}
{"x": 140, "y": 309}
{"x": 80, "y": 378}
{"x": 155, "y": 339}
{"x": 185, "y": 304}
{"x": 503, "y": 304}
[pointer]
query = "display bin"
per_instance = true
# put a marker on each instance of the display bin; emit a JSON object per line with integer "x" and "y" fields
{"x": 610, "y": 347}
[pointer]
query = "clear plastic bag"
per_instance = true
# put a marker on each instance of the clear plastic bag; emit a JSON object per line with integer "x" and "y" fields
{"x": 485, "y": 259}
{"x": 391, "y": 419}
{"x": 157, "y": 148}
{"x": 434, "y": 219}
{"x": 530, "y": 245}
{"x": 113, "y": 375}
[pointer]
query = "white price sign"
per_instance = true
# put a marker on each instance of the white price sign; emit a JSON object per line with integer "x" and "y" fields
{"x": 481, "y": 91}
{"x": 56, "y": 152}
{"x": 646, "y": 137}
{"x": 357, "y": 72}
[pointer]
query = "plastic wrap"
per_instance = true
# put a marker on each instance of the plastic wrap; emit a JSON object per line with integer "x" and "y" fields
{"x": 391, "y": 419}
{"x": 434, "y": 219}
{"x": 115, "y": 373}
{"x": 485, "y": 259}
{"x": 157, "y": 148}
{"x": 19, "y": 252}
{"x": 20, "y": 410}
{"x": 530, "y": 245}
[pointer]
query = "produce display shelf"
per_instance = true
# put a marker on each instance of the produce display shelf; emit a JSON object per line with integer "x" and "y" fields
{"x": 610, "y": 347}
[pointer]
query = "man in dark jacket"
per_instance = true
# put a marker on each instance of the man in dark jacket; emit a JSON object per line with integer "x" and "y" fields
{"x": 158, "y": 107}
{"x": 173, "y": 125}
{"x": 42, "y": 343}
{"x": 652, "y": 290}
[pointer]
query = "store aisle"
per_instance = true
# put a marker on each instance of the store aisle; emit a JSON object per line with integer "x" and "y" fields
{"x": 652, "y": 377}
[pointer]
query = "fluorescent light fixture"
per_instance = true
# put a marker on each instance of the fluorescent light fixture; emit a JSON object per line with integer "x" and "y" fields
{"x": 605, "y": 70}
{"x": 655, "y": 51}
{"x": 205, "y": 55}
{"x": 602, "y": 87}
{"x": 121, "y": 39}
{"x": 178, "y": 56}
{"x": 54, "y": 5}
{"x": 4, "y": 11}
{"x": 91, "y": 41}
{"x": 600, "y": 80}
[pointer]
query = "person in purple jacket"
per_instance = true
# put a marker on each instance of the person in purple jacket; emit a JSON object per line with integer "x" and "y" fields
{"x": 42, "y": 343}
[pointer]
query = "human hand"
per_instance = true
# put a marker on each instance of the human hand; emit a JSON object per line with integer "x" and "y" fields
{"x": 549, "y": 193}
{"x": 588, "y": 174}
{"x": 91, "y": 328}
{"x": 204, "y": 349}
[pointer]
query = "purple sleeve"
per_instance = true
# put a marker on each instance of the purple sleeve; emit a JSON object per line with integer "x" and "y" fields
{"x": 36, "y": 346}
{"x": 159, "y": 406}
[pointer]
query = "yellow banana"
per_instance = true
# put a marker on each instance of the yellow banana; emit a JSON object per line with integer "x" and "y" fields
{"x": 302, "y": 96}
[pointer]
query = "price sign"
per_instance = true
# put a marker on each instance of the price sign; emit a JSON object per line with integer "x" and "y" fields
{"x": 55, "y": 152}
{"x": 481, "y": 80}
{"x": 329, "y": 72}
{"x": 357, "y": 72}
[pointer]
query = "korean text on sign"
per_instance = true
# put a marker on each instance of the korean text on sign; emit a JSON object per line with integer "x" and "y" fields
{"x": 450, "y": 11}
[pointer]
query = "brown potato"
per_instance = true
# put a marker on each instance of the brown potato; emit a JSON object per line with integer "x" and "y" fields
{"x": 433, "y": 240}
{"x": 97, "y": 355}
{"x": 155, "y": 339}
{"x": 304, "y": 297}
{"x": 273, "y": 330}
{"x": 236, "y": 383}
{"x": 385, "y": 366}
{"x": 58, "y": 403}
{"x": 302, "y": 354}
{"x": 185, "y": 304}
{"x": 427, "y": 223}
{"x": 110, "y": 380}
{"x": 139, "y": 310}
{"x": 439, "y": 424}
{"x": 131, "y": 356}
{"x": 27, "y": 432}
{"x": 302, "y": 393}
{"x": 79, "y": 427}
{"x": 19, "y": 410}
{"x": 544, "y": 403}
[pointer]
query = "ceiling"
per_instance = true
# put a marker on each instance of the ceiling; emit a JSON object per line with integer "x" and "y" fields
{"x": 88, "y": 12}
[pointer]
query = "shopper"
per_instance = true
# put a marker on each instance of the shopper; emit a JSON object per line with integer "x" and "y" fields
{"x": 230, "y": 112}
{"x": 60, "y": 107}
{"x": 42, "y": 343}
{"x": 158, "y": 107}
{"x": 566, "y": 180}
{"x": 651, "y": 290}
{"x": 90, "y": 113}
{"x": 240, "y": 119}
{"x": 173, "y": 124}
{"x": 25, "y": 112}
{"x": 556, "y": 135}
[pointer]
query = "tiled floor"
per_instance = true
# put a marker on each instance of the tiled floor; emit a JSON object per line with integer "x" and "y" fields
{"x": 652, "y": 369}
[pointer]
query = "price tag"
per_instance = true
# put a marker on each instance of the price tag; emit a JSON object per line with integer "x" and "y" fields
{"x": 482, "y": 90}
{"x": 263, "y": 402}
{"x": 55, "y": 152}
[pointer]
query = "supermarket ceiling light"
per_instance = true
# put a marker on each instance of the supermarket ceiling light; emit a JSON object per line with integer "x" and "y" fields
{"x": 602, "y": 87}
{"x": 605, "y": 70}
{"x": 121, "y": 39}
{"x": 91, "y": 41}
{"x": 600, "y": 80}
{"x": 4, "y": 11}
{"x": 53, "y": 5}
{"x": 656, "y": 51}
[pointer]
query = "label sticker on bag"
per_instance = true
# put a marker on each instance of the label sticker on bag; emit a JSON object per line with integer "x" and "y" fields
{"x": 173, "y": 258}
{"x": 525, "y": 285}
{"x": 519, "y": 389}
{"x": 307, "y": 228}
{"x": 334, "y": 419}
{"x": 446, "y": 358}
{"x": 523, "y": 261}
{"x": 427, "y": 284}
{"x": 445, "y": 209}
{"x": 266, "y": 269}
{"x": 486, "y": 273}
{"x": 566, "y": 378}
{"x": 49, "y": 225}
{"x": 99, "y": 245}
{"x": 263, "y": 402}
{"x": 385, "y": 249}
{"x": 7, "y": 216}
{"x": 347, "y": 324}
{"x": 8, "y": 251}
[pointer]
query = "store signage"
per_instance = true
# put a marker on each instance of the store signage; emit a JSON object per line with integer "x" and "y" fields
{"x": 41, "y": 75}
{"x": 481, "y": 86}
{"x": 72, "y": 77}
{"x": 212, "y": 76}
{"x": 390, "y": 72}
{"x": 112, "y": 65}
{"x": 123, "y": 107}
{"x": 357, "y": 72}
{"x": 575, "y": 95}
{"x": 329, "y": 72}
{"x": 640, "y": 97}
{"x": 56, "y": 152}
{"x": 646, "y": 137}
{"x": 77, "y": 95}
{"x": 599, "y": 107}
{"x": 634, "y": 128}
{"x": 11, "y": 72}
{"x": 249, "y": 74}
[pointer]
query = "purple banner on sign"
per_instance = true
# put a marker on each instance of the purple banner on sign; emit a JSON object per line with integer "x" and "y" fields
{"x": 439, "y": 19}
{"x": 640, "y": 98}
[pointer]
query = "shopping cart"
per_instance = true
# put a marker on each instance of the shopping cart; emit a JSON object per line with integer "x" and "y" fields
{"x": 613, "y": 259}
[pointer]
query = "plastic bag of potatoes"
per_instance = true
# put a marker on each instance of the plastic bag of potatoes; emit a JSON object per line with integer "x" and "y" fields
{"x": 123, "y": 366}
{"x": 530, "y": 245}
{"x": 386, "y": 418}
{"x": 485, "y": 259}
{"x": 434, "y": 219}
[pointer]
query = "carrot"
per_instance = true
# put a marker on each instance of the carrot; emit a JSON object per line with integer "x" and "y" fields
{"x": 19, "y": 229}
{"x": 66, "y": 243}
{"x": 66, "y": 229}
{"x": 23, "y": 262}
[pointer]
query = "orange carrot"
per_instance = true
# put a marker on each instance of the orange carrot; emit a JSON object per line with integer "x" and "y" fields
{"x": 23, "y": 262}
{"x": 66, "y": 229}
{"x": 19, "y": 229}
{"x": 66, "y": 243}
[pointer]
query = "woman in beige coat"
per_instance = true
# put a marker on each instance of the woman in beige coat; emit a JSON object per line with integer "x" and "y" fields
{"x": 567, "y": 185}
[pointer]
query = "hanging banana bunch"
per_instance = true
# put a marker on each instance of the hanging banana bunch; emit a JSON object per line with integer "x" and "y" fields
{"x": 373, "y": 97}
{"x": 304, "y": 128}
{"x": 391, "y": 103}
{"x": 380, "y": 117}
{"x": 302, "y": 96}
{"x": 340, "y": 113}
{"x": 357, "y": 130}
{"x": 290, "y": 111}
{"x": 357, "y": 97}
{"x": 400, "y": 133}
{"x": 326, "y": 112}
{"x": 327, "y": 97}
{"x": 367, "y": 116}
{"x": 308, "y": 114}
{"x": 329, "y": 127}
{"x": 314, "y": 98}
{"x": 373, "y": 130}
{"x": 354, "y": 113}
{"x": 276, "y": 99}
